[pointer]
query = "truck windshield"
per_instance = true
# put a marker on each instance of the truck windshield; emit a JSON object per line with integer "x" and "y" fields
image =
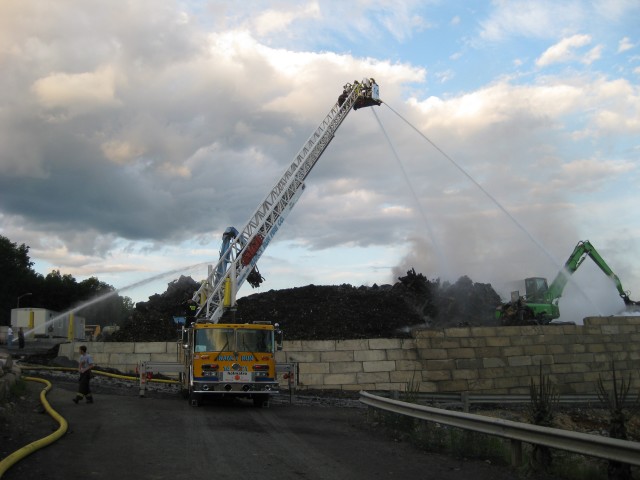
{"x": 215, "y": 340}
{"x": 232, "y": 340}
{"x": 255, "y": 340}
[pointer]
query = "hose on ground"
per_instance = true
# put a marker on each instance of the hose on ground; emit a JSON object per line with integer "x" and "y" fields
{"x": 18, "y": 455}
{"x": 96, "y": 372}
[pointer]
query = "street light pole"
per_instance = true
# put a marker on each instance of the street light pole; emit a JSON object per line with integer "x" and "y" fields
{"x": 23, "y": 295}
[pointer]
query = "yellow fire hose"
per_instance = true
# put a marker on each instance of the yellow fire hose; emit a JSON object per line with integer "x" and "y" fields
{"x": 96, "y": 372}
{"x": 18, "y": 455}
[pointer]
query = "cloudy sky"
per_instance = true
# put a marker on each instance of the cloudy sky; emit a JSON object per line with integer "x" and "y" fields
{"x": 133, "y": 132}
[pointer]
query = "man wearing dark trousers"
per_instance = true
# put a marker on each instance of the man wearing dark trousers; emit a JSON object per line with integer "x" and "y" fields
{"x": 85, "y": 364}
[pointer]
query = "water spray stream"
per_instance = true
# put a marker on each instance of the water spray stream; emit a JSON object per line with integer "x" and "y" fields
{"x": 93, "y": 301}
{"x": 496, "y": 203}
{"x": 439, "y": 253}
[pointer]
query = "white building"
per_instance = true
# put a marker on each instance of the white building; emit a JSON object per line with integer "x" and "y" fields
{"x": 40, "y": 322}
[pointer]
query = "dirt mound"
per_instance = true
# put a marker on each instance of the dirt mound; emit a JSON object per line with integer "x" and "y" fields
{"x": 332, "y": 312}
{"x": 347, "y": 312}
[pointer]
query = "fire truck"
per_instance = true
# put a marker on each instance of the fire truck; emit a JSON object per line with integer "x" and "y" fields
{"x": 221, "y": 356}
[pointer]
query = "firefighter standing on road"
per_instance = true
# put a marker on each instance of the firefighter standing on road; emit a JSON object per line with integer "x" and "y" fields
{"x": 85, "y": 364}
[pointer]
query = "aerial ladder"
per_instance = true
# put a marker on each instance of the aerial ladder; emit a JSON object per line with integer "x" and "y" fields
{"x": 242, "y": 249}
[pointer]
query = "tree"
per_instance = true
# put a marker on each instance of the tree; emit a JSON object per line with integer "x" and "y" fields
{"x": 58, "y": 292}
{"x": 103, "y": 305}
{"x": 17, "y": 276}
{"x": 152, "y": 321}
{"x": 98, "y": 301}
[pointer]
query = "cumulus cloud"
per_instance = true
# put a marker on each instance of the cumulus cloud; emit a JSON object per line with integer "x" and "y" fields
{"x": 541, "y": 19}
{"x": 564, "y": 51}
{"x": 76, "y": 93}
{"x": 121, "y": 151}
{"x": 625, "y": 44}
{"x": 278, "y": 20}
{"x": 585, "y": 176}
{"x": 548, "y": 19}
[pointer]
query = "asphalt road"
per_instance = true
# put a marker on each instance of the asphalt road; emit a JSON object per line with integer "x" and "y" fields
{"x": 122, "y": 436}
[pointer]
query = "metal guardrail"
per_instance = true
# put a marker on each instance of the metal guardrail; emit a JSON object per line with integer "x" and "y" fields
{"x": 591, "y": 445}
{"x": 466, "y": 399}
{"x": 145, "y": 368}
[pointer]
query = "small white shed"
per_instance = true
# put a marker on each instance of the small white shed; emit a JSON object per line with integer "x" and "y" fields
{"x": 40, "y": 322}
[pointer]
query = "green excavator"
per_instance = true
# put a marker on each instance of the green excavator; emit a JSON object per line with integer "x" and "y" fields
{"x": 539, "y": 305}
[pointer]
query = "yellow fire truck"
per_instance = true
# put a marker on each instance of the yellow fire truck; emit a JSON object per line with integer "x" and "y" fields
{"x": 223, "y": 359}
{"x": 222, "y": 356}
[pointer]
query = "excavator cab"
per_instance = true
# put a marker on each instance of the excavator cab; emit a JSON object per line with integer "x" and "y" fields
{"x": 536, "y": 288}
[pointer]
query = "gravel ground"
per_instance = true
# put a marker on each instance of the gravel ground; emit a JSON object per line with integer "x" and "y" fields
{"x": 23, "y": 419}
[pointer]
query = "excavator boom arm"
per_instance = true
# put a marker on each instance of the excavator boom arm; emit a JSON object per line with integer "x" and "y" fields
{"x": 580, "y": 253}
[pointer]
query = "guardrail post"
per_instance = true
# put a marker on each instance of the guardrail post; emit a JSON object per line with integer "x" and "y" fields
{"x": 464, "y": 397}
{"x": 142, "y": 371}
{"x": 516, "y": 453}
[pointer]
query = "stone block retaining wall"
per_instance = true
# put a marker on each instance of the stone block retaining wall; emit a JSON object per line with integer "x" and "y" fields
{"x": 123, "y": 356}
{"x": 499, "y": 360}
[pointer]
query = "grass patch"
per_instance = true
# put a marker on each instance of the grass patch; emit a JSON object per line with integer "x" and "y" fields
{"x": 438, "y": 438}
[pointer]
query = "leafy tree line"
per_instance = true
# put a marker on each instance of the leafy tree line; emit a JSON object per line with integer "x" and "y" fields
{"x": 54, "y": 291}
{"x": 153, "y": 320}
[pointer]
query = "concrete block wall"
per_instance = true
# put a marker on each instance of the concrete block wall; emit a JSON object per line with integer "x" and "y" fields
{"x": 468, "y": 359}
{"x": 123, "y": 356}
{"x": 499, "y": 360}
{"x": 368, "y": 364}
{"x": 505, "y": 359}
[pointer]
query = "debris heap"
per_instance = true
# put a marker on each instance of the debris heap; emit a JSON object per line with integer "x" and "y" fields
{"x": 339, "y": 312}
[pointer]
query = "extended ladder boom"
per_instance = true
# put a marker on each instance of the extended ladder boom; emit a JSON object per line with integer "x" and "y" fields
{"x": 242, "y": 254}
